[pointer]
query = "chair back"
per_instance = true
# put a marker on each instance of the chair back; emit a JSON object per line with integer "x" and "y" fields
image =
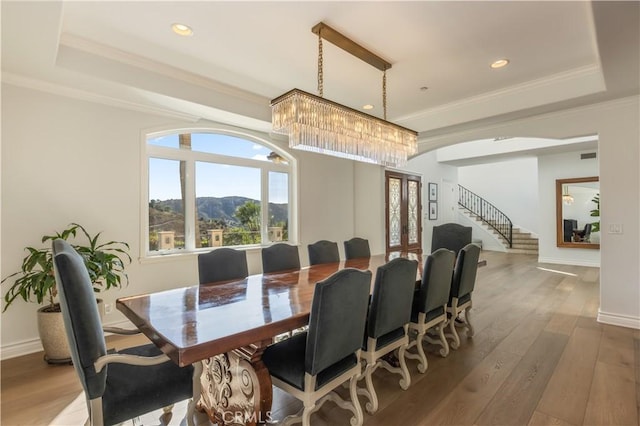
{"x": 280, "y": 257}
{"x": 451, "y": 236}
{"x": 568, "y": 226}
{"x": 323, "y": 251}
{"x": 81, "y": 318}
{"x": 393, "y": 291}
{"x": 356, "y": 247}
{"x": 436, "y": 280}
{"x": 337, "y": 318}
{"x": 222, "y": 264}
{"x": 464, "y": 275}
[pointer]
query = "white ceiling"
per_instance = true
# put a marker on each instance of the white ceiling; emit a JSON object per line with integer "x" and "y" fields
{"x": 243, "y": 54}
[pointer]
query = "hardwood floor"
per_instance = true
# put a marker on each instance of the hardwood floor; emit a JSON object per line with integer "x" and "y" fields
{"x": 538, "y": 357}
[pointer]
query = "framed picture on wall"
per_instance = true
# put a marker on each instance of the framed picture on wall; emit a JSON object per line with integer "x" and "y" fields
{"x": 433, "y": 210}
{"x": 433, "y": 191}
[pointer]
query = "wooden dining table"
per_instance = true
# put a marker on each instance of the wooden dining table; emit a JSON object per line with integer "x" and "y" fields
{"x": 223, "y": 328}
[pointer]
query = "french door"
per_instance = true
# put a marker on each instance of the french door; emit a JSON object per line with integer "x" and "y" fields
{"x": 403, "y": 212}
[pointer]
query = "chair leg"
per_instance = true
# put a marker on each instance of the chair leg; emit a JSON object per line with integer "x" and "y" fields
{"x": 454, "y": 334}
{"x": 306, "y": 414}
{"x": 423, "y": 365}
{"x": 370, "y": 392}
{"x": 444, "y": 351}
{"x": 405, "y": 381}
{"x": 467, "y": 319}
{"x": 197, "y": 391}
{"x": 442, "y": 340}
{"x": 353, "y": 388}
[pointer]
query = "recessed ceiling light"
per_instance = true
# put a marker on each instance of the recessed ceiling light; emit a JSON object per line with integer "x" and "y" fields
{"x": 367, "y": 106}
{"x": 500, "y": 63}
{"x": 182, "y": 29}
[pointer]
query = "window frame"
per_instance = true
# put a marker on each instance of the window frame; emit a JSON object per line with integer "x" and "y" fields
{"x": 190, "y": 158}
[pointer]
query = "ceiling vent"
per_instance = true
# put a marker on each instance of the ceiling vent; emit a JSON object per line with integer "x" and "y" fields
{"x": 587, "y": 155}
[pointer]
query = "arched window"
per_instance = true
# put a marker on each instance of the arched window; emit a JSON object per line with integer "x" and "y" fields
{"x": 213, "y": 188}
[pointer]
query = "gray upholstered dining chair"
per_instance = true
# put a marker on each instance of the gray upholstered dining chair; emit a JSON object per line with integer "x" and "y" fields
{"x": 222, "y": 264}
{"x": 429, "y": 310}
{"x": 462, "y": 285}
{"x": 452, "y": 236}
{"x": 312, "y": 364}
{"x": 323, "y": 251}
{"x": 280, "y": 257}
{"x": 387, "y": 324}
{"x": 356, "y": 247}
{"x": 117, "y": 386}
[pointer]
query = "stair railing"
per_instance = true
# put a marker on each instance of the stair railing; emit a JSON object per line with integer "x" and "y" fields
{"x": 487, "y": 212}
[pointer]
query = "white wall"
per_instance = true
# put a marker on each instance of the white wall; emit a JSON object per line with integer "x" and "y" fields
{"x": 442, "y": 174}
{"x": 326, "y": 195}
{"x": 65, "y": 160}
{"x": 511, "y": 186}
{"x": 550, "y": 168}
{"x": 617, "y": 126}
{"x": 369, "y": 199}
{"x": 619, "y": 130}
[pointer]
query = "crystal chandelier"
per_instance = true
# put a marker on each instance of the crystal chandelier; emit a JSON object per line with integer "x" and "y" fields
{"x": 320, "y": 125}
{"x": 566, "y": 197}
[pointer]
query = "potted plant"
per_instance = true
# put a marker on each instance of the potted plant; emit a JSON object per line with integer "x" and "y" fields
{"x": 35, "y": 280}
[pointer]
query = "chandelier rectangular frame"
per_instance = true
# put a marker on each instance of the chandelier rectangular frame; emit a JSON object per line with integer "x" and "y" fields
{"x": 316, "y": 124}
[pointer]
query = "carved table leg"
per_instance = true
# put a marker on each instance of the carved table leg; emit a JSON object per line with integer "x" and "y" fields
{"x": 236, "y": 387}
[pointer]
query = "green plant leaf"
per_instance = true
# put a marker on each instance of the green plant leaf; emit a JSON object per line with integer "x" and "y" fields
{"x": 36, "y": 280}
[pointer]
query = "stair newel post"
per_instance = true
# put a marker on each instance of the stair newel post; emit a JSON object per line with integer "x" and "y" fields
{"x": 510, "y": 236}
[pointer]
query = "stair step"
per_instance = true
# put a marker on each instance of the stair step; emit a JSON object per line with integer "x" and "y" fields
{"x": 522, "y": 242}
{"x": 522, "y": 251}
{"x": 519, "y": 247}
{"x": 526, "y": 240}
{"x": 525, "y": 246}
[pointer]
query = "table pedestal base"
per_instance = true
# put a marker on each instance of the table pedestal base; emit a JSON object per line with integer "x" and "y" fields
{"x": 236, "y": 387}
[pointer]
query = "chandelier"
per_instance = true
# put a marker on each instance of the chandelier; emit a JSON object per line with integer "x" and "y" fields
{"x": 566, "y": 197}
{"x": 315, "y": 124}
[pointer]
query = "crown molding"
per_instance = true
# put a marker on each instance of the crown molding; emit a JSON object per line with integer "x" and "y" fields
{"x": 577, "y": 80}
{"x": 426, "y": 143}
{"x": 107, "y": 52}
{"x": 83, "y": 95}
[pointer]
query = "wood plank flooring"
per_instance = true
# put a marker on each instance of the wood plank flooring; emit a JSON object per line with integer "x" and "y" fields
{"x": 538, "y": 357}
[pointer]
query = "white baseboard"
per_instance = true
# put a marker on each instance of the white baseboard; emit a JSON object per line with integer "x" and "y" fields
{"x": 18, "y": 349}
{"x": 26, "y": 347}
{"x": 620, "y": 320}
{"x": 576, "y": 262}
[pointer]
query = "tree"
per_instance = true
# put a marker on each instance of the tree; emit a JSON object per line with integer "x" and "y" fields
{"x": 249, "y": 215}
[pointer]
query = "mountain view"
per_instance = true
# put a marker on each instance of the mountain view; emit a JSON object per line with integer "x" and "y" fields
{"x": 221, "y": 209}
{"x": 238, "y": 217}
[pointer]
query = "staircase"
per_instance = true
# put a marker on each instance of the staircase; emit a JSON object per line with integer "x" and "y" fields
{"x": 497, "y": 223}
{"x": 523, "y": 242}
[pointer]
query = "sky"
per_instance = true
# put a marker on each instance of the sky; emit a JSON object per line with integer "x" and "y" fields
{"x": 215, "y": 180}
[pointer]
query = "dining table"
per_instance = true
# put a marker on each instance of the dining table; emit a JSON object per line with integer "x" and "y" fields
{"x": 223, "y": 328}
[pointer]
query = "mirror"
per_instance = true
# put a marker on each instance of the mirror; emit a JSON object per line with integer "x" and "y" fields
{"x": 575, "y": 200}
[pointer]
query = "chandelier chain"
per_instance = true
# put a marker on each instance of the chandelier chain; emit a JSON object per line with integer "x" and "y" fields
{"x": 384, "y": 94}
{"x": 320, "y": 67}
